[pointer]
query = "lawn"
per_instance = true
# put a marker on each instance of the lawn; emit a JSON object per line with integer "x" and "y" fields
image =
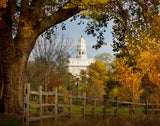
{"x": 10, "y": 123}
{"x": 89, "y": 111}
{"x": 65, "y": 110}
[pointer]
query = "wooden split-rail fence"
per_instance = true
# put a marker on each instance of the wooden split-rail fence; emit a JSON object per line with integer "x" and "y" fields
{"x": 86, "y": 102}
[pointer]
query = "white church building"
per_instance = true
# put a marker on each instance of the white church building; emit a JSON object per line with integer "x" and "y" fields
{"x": 81, "y": 62}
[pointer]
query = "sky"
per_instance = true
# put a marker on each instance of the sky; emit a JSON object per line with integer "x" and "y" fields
{"x": 74, "y": 31}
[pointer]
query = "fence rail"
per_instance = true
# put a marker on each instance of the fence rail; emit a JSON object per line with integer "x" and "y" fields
{"x": 96, "y": 103}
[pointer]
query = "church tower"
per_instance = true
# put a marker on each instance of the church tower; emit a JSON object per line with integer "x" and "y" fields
{"x": 81, "y": 62}
{"x": 81, "y": 49}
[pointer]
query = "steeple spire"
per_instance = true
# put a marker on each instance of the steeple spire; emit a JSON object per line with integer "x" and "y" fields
{"x": 81, "y": 49}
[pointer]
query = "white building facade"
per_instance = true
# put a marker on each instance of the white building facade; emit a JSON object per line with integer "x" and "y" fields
{"x": 75, "y": 65}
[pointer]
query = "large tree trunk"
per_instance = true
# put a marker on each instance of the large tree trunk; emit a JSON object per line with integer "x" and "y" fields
{"x": 13, "y": 88}
{"x": 14, "y": 54}
{"x": 12, "y": 77}
{"x": 12, "y": 66}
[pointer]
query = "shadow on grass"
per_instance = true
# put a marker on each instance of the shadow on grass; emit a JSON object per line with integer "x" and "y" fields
{"x": 10, "y": 123}
{"x": 121, "y": 120}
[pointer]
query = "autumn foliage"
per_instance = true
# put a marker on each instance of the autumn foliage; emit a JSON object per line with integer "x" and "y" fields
{"x": 53, "y": 82}
{"x": 97, "y": 77}
{"x": 140, "y": 69}
{"x": 129, "y": 78}
{"x": 2, "y": 5}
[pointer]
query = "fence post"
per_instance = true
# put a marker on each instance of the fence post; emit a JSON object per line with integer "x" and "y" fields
{"x": 94, "y": 107}
{"x": 104, "y": 106}
{"x": 146, "y": 106}
{"x": 70, "y": 108}
{"x": 46, "y": 100}
{"x": 26, "y": 105}
{"x": 40, "y": 103}
{"x": 56, "y": 104}
{"x": 132, "y": 109}
{"x": 116, "y": 110}
{"x": 84, "y": 104}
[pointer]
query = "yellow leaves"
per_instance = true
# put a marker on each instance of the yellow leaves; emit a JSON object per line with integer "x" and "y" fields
{"x": 98, "y": 76}
{"x": 93, "y": 73}
{"x": 144, "y": 43}
{"x": 149, "y": 63}
{"x": 94, "y": 2}
{"x": 155, "y": 27}
{"x": 99, "y": 66}
{"x": 137, "y": 94}
{"x": 106, "y": 78}
{"x": 97, "y": 69}
{"x": 127, "y": 77}
{"x": 85, "y": 4}
{"x": 154, "y": 98}
{"x": 28, "y": 29}
{"x": 64, "y": 91}
{"x": 85, "y": 13}
{"x": 3, "y": 4}
{"x": 116, "y": 91}
{"x": 145, "y": 62}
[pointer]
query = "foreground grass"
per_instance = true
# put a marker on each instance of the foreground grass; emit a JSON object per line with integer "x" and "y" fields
{"x": 121, "y": 120}
{"x": 109, "y": 120}
{"x": 89, "y": 111}
{"x": 10, "y": 123}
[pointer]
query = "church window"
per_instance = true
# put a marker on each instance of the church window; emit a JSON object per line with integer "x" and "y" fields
{"x": 79, "y": 53}
{"x": 82, "y": 52}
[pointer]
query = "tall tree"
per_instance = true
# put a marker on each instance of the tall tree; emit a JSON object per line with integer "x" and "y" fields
{"x": 97, "y": 75}
{"x": 20, "y": 25}
{"x": 107, "y": 58}
{"x": 47, "y": 58}
{"x": 129, "y": 78}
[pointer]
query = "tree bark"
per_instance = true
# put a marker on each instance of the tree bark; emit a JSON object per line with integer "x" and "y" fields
{"x": 14, "y": 54}
{"x": 12, "y": 68}
{"x": 13, "y": 88}
{"x": 12, "y": 77}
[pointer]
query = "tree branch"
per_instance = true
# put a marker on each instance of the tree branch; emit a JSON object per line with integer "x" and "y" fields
{"x": 56, "y": 18}
{"x": 12, "y": 8}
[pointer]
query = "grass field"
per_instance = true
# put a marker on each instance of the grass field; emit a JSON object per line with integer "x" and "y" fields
{"x": 89, "y": 111}
{"x": 9, "y": 122}
{"x": 121, "y": 120}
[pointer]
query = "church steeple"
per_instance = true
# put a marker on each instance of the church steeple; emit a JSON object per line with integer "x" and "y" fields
{"x": 81, "y": 49}
{"x": 81, "y": 35}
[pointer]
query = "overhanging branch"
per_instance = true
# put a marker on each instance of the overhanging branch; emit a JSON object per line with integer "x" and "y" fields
{"x": 58, "y": 17}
